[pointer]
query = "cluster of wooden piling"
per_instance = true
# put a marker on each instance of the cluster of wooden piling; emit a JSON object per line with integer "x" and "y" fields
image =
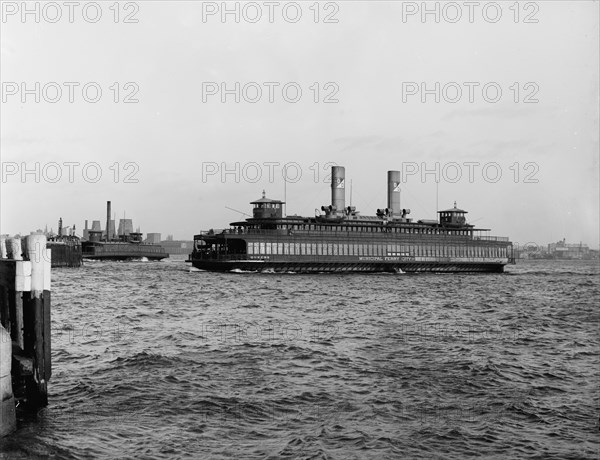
{"x": 25, "y": 365}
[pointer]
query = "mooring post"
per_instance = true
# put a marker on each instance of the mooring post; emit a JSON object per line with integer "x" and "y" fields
{"x": 13, "y": 249}
{"x": 36, "y": 315}
{"x": 3, "y": 247}
{"x": 8, "y": 420}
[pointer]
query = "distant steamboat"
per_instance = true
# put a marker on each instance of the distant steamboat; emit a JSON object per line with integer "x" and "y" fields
{"x": 128, "y": 245}
{"x": 341, "y": 240}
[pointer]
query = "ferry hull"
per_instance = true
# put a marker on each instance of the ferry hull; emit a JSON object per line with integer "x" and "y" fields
{"x": 124, "y": 257}
{"x": 341, "y": 267}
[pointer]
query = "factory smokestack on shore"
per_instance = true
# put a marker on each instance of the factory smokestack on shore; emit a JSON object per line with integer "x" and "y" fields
{"x": 338, "y": 187}
{"x": 108, "y": 236}
{"x": 393, "y": 192}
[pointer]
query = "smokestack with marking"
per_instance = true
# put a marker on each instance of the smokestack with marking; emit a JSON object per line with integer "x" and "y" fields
{"x": 338, "y": 187}
{"x": 108, "y": 221}
{"x": 393, "y": 197}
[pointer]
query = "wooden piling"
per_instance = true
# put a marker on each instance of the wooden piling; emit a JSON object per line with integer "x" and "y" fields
{"x": 8, "y": 420}
{"x": 25, "y": 314}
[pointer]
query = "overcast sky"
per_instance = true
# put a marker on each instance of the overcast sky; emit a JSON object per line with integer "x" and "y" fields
{"x": 523, "y": 162}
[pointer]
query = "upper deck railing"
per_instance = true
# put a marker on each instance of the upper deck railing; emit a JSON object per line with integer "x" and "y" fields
{"x": 345, "y": 233}
{"x": 491, "y": 238}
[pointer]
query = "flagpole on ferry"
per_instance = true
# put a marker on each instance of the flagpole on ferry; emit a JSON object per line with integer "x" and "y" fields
{"x": 285, "y": 191}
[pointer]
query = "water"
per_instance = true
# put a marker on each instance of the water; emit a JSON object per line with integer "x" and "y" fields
{"x": 152, "y": 360}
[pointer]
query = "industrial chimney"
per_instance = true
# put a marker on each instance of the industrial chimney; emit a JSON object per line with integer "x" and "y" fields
{"x": 393, "y": 192}
{"x": 338, "y": 187}
{"x": 108, "y": 236}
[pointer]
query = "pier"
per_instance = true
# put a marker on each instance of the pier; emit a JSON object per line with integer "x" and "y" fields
{"x": 25, "y": 352}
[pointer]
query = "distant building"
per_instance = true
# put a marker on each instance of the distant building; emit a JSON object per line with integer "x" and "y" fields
{"x": 153, "y": 238}
{"x": 563, "y": 250}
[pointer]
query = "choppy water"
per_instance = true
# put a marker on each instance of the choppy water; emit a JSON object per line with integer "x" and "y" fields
{"x": 152, "y": 360}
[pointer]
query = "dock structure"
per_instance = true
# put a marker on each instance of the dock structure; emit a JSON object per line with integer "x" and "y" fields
{"x": 25, "y": 353}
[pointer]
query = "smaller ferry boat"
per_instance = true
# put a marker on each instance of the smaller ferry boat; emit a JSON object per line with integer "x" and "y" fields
{"x": 128, "y": 245}
{"x": 339, "y": 239}
{"x": 65, "y": 248}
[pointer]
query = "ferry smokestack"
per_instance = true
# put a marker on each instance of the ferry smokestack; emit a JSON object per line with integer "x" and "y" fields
{"x": 393, "y": 197}
{"x": 108, "y": 221}
{"x": 338, "y": 187}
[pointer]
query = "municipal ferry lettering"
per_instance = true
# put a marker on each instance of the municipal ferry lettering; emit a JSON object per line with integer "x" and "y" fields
{"x": 340, "y": 239}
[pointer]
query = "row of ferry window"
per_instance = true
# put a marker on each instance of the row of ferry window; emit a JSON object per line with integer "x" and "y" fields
{"x": 372, "y": 229}
{"x": 115, "y": 248}
{"x": 347, "y": 249}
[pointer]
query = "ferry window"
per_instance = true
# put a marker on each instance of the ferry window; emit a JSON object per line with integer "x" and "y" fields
{"x": 250, "y": 249}
{"x": 261, "y": 248}
{"x": 279, "y": 248}
{"x": 268, "y": 248}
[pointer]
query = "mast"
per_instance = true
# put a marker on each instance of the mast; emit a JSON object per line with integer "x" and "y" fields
{"x": 108, "y": 221}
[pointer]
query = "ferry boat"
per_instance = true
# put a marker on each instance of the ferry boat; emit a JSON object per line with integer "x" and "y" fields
{"x": 127, "y": 245}
{"x": 65, "y": 248}
{"x": 339, "y": 239}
